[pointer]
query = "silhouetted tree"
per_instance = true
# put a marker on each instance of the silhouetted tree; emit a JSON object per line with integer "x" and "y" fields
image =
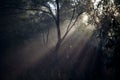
{"x": 53, "y": 8}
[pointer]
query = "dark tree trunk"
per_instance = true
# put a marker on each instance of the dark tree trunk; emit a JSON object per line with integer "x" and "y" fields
{"x": 58, "y": 27}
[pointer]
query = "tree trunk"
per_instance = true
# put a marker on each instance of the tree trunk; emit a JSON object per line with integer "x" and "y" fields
{"x": 58, "y": 27}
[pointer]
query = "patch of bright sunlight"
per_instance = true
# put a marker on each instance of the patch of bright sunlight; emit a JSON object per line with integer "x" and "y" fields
{"x": 85, "y": 18}
{"x": 112, "y": 1}
{"x": 53, "y": 7}
{"x": 75, "y": 2}
{"x": 64, "y": 27}
{"x": 95, "y": 3}
{"x": 82, "y": 22}
{"x": 90, "y": 27}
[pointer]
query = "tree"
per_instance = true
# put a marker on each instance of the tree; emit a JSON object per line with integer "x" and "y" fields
{"x": 58, "y": 5}
{"x": 57, "y": 9}
{"x": 109, "y": 35}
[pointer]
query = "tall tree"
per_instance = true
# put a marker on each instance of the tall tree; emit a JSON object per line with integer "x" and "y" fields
{"x": 54, "y": 8}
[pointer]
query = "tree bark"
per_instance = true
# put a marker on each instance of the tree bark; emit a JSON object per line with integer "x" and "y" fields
{"x": 58, "y": 26}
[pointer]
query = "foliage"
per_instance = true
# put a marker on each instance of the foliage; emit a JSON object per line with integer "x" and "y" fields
{"x": 109, "y": 35}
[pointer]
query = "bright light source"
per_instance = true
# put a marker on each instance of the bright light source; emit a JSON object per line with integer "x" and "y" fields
{"x": 85, "y": 18}
{"x": 95, "y": 3}
{"x": 53, "y": 8}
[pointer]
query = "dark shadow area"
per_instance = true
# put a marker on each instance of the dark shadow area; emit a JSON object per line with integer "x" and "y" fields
{"x": 59, "y": 67}
{"x": 86, "y": 66}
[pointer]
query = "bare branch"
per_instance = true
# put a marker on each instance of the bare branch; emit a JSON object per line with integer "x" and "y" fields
{"x": 50, "y": 11}
{"x": 71, "y": 18}
{"x": 71, "y": 26}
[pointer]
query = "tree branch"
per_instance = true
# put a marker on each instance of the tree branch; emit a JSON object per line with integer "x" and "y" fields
{"x": 71, "y": 27}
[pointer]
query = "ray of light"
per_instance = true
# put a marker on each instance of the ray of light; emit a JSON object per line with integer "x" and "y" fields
{"x": 31, "y": 53}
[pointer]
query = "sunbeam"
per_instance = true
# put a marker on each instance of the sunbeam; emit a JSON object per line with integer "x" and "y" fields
{"x": 85, "y": 18}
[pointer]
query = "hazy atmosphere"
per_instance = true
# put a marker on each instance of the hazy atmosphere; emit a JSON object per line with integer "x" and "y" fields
{"x": 59, "y": 40}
